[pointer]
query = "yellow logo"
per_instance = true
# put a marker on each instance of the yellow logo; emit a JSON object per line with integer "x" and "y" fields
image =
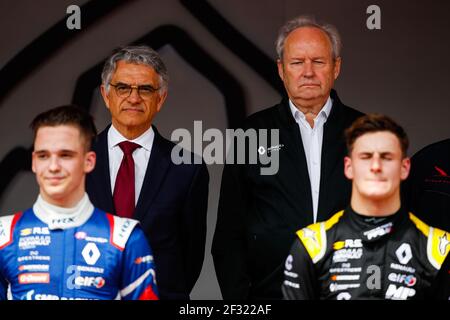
{"x": 26, "y": 232}
{"x": 338, "y": 245}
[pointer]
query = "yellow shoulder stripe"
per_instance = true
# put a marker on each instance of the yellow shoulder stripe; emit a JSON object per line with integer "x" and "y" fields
{"x": 438, "y": 246}
{"x": 333, "y": 220}
{"x": 438, "y": 243}
{"x": 314, "y": 237}
{"x": 422, "y": 226}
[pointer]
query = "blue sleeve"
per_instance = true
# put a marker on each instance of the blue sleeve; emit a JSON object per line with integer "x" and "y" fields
{"x": 138, "y": 269}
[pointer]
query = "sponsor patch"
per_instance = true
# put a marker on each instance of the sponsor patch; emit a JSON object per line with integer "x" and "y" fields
{"x": 34, "y": 267}
{"x": 36, "y": 277}
{"x": 145, "y": 259}
{"x": 96, "y": 282}
{"x": 408, "y": 280}
{"x": 344, "y": 255}
{"x": 378, "y": 231}
{"x": 399, "y": 293}
{"x": 31, "y": 242}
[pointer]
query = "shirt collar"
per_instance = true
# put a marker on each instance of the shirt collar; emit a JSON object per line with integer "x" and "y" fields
{"x": 145, "y": 140}
{"x": 63, "y": 218}
{"x": 323, "y": 113}
{"x": 375, "y": 228}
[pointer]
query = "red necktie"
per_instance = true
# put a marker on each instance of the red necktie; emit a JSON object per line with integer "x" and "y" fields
{"x": 123, "y": 195}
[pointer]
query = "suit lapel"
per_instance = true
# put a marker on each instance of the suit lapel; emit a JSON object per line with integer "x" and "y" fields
{"x": 332, "y": 141}
{"x": 332, "y": 148}
{"x": 158, "y": 165}
{"x": 296, "y": 163}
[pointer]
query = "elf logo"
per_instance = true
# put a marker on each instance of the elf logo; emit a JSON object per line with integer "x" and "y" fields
{"x": 97, "y": 282}
{"x": 409, "y": 280}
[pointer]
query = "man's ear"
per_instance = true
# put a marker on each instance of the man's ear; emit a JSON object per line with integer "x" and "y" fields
{"x": 90, "y": 159}
{"x": 33, "y": 165}
{"x": 406, "y": 167}
{"x": 337, "y": 67}
{"x": 280, "y": 69}
{"x": 104, "y": 95}
{"x": 162, "y": 98}
{"x": 348, "y": 169}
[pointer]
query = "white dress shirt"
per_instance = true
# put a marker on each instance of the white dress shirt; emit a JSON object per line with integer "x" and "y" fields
{"x": 140, "y": 157}
{"x": 312, "y": 144}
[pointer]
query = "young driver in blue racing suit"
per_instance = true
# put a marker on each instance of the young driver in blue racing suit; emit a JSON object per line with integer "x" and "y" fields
{"x": 63, "y": 247}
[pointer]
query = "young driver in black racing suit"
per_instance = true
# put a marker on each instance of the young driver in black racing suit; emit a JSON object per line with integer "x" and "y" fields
{"x": 374, "y": 249}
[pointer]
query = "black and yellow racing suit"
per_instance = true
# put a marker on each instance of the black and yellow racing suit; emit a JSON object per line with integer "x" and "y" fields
{"x": 351, "y": 256}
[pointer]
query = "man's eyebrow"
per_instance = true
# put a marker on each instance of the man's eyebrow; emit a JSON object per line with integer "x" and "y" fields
{"x": 387, "y": 153}
{"x": 129, "y": 85}
{"x": 372, "y": 152}
{"x": 59, "y": 151}
{"x": 67, "y": 151}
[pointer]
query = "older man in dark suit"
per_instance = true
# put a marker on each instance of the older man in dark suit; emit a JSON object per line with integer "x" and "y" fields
{"x": 259, "y": 214}
{"x": 136, "y": 177}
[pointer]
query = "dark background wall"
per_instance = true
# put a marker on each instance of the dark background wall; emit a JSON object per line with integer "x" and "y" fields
{"x": 220, "y": 56}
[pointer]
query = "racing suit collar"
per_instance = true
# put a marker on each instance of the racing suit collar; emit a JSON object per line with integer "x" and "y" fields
{"x": 63, "y": 218}
{"x": 375, "y": 228}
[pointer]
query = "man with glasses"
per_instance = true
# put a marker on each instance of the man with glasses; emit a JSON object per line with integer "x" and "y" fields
{"x": 135, "y": 176}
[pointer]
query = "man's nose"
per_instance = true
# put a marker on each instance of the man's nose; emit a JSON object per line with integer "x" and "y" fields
{"x": 54, "y": 164}
{"x": 375, "y": 165}
{"x": 134, "y": 96}
{"x": 308, "y": 70}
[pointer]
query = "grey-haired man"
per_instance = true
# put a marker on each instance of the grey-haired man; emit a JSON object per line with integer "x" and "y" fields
{"x": 258, "y": 215}
{"x": 135, "y": 176}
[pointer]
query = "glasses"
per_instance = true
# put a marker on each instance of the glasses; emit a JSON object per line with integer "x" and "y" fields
{"x": 124, "y": 90}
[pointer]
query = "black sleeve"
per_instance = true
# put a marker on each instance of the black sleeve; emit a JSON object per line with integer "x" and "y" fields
{"x": 3, "y": 287}
{"x": 300, "y": 279}
{"x": 440, "y": 290}
{"x": 194, "y": 225}
{"x": 229, "y": 245}
{"x": 412, "y": 186}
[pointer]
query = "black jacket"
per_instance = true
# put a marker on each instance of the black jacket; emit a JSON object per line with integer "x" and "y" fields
{"x": 428, "y": 186}
{"x": 259, "y": 214}
{"x": 171, "y": 208}
{"x": 351, "y": 256}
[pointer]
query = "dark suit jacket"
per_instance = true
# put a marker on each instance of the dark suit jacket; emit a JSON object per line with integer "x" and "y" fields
{"x": 258, "y": 215}
{"x": 171, "y": 208}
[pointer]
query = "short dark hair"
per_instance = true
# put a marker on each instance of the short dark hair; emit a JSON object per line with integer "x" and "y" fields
{"x": 67, "y": 115}
{"x": 375, "y": 122}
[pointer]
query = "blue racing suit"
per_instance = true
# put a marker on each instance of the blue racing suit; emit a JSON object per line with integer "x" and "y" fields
{"x": 107, "y": 257}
